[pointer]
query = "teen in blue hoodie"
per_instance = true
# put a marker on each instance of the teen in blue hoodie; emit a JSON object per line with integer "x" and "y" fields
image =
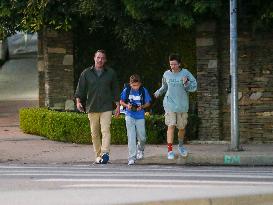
{"x": 176, "y": 84}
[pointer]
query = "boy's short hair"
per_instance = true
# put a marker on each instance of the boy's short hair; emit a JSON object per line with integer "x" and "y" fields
{"x": 175, "y": 56}
{"x": 135, "y": 78}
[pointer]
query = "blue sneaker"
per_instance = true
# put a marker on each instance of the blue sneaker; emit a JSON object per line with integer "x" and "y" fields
{"x": 171, "y": 155}
{"x": 183, "y": 151}
{"x": 104, "y": 158}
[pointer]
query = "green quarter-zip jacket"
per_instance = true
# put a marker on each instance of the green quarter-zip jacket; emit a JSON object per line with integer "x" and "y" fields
{"x": 98, "y": 92}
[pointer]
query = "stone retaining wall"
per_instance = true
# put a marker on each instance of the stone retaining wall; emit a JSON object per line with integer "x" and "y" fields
{"x": 56, "y": 72}
{"x": 255, "y": 81}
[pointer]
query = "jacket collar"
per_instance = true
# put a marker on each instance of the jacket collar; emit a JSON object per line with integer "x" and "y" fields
{"x": 93, "y": 68}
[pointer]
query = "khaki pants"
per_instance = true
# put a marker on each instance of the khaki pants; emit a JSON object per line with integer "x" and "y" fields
{"x": 100, "y": 126}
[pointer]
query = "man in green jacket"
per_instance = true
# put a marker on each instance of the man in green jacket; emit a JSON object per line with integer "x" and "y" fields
{"x": 98, "y": 89}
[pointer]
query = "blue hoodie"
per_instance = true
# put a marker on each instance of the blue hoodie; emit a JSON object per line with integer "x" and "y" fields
{"x": 176, "y": 98}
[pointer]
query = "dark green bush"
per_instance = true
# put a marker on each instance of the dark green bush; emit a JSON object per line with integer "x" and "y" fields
{"x": 74, "y": 127}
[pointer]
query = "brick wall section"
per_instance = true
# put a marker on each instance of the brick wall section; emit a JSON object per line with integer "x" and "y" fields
{"x": 255, "y": 81}
{"x": 208, "y": 82}
{"x": 59, "y": 72}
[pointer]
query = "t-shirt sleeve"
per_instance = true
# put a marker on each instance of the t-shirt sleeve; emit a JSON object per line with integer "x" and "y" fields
{"x": 147, "y": 96}
{"x": 123, "y": 95}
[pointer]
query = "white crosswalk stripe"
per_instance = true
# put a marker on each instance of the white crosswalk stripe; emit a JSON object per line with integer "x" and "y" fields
{"x": 116, "y": 184}
{"x": 134, "y": 176}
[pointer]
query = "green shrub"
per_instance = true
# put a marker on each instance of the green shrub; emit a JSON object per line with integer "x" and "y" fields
{"x": 74, "y": 127}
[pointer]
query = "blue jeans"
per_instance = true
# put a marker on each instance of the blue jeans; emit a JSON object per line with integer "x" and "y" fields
{"x": 135, "y": 131}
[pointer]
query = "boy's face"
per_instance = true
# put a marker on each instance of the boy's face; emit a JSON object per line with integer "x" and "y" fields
{"x": 135, "y": 85}
{"x": 175, "y": 66}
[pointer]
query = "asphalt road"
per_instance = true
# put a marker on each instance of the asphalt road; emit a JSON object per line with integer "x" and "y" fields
{"x": 122, "y": 184}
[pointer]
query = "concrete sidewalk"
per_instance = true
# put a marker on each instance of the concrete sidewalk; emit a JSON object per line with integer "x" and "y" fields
{"x": 17, "y": 147}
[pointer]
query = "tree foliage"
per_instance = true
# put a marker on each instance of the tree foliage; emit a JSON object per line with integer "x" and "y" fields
{"x": 32, "y": 15}
{"x": 132, "y": 20}
{"x": 176, "y": 12}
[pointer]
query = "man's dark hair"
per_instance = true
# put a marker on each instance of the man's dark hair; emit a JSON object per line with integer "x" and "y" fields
{"x": 135, "y": 78}
{"x": 100, "y": 51}
{"x": 175, "y": 56}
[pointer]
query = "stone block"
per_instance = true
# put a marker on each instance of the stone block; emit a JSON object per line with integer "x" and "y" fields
{"x": 56, "y": 50}
{"x": 204, "y": 42}
{"x": 256, "y": 96}
{"x": 41, "y": 65}
{"x": 58, "y": 106}
{"x": 69, "y": 105}
{"x": 212, "y": 64}
{"x": 68, "y": 60}
{"x": 51, "y": 33}
{"x": 208, "y": 26}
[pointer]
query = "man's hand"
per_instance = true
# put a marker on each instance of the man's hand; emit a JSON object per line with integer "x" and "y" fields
{"x": 80, "y": 107}
{"x": 117, "y": 111}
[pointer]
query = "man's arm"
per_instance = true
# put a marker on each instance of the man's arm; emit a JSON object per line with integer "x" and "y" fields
{"x": 80, "y": 93}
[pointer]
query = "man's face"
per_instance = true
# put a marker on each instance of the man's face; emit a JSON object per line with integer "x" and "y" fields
{"x": 175, "y": 66}
{"x": 100, "y": 60}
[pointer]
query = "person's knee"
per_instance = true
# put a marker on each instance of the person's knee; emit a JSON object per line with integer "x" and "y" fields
{"x": 171, "y": 128}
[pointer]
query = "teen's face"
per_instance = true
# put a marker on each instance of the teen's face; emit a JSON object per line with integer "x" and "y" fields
{"x": 175, "y": 66}
{"x": 135, "y": 86}
{"x": 100, "y": 60}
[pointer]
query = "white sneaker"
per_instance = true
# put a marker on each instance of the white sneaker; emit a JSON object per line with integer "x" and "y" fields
{"x": 131, "y": 162}
{"x": 140, "y": 154}
{"x": 98, "y": 160}
{"x": 171, "y": 155}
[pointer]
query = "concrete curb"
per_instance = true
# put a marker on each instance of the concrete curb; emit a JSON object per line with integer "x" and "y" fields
{"x": 233, "y": 159}
{"x": 261, "y": 199}
{"x": 218, "y": 159}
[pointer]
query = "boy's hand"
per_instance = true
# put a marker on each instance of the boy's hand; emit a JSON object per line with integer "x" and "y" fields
{"x": 129, "y": 106}
{"x": 139, "y": 108}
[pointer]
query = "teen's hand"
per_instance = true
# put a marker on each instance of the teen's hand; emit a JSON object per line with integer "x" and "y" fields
{"x": 185, "y": 81}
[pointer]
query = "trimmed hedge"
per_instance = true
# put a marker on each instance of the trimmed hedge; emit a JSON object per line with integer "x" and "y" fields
{"x": 74, "y": 127}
